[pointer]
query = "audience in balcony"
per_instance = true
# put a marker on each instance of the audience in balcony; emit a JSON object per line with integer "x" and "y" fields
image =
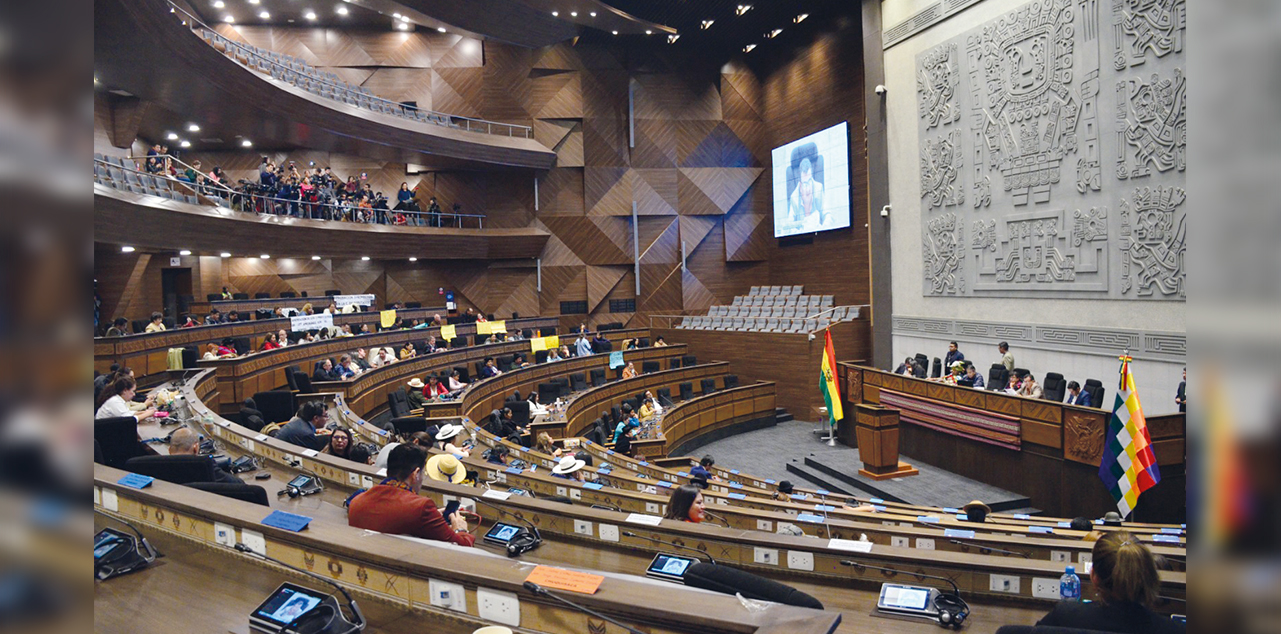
{"x": 583, "y": 345}
{"x": 157, "y": 323}
{"x": 119, "y": 327}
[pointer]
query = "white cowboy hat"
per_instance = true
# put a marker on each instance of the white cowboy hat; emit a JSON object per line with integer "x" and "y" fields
{"x": 568, "y": 464}
{"x": 445, "y": 468}
{"x": 448, "y": 431}
{"x": 416, "y": 383}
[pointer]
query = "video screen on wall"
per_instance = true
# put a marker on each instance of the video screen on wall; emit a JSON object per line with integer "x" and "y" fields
{"x": 812, "y": 183}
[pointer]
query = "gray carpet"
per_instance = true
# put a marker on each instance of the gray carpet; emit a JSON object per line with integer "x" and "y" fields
{"x": 765, "y": 452}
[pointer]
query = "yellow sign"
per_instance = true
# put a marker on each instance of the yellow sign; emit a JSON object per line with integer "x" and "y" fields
{"x": 484, "y": 328}
{"x": 447, "y": 332}
{"x": 553, "y": 342}
{"x": 538, "y": 343}
{"x": 388, "y": 318}
{"x": 497, "y": 326}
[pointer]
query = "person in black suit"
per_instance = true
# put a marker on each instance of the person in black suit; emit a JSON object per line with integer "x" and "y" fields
{"x": 184, "y": 442}
{"x": 1181, "y": 396}
{"x": 1076, "y": 396}
{"x": 953, "y": 355}
{"x": 1125, "y": 578}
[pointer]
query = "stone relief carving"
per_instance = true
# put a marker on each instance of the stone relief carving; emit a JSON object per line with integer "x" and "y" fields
{"x": 984, "y": 235}
{"x": 1146, "y": 26}
{"x": 941, "y": 170}
{"x": 983, "y": 192}
{"x": 942, "y": 249}
{"x": 936, "y": 83}
{"x": 1042, "y": 249}
{"x": 1151, "y": 125}
{"x": 1089, "y": 226}
{"x": 1153, "y": 236}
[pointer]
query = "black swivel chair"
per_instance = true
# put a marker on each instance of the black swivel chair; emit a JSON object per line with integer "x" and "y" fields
{"x": 1054, "y": 387}
{"x": 1095, "y": 388}
{"x": 413, "y": 304}
{"x": 303, "y": 381}
{"x": 398, "y": 403}
{"x": 664, "y": 396}
{"x": 548, "y": 392}
{"x": 540, "y": 356}
{"x": 504, "y": 362}
{"x": 190, "y": 355}
{"x": 707, "y": 386}
{"x": 406, "y": 425}
{"x": 938, "y": 368}
{"x": 213, "y": 297}
{"x": 118, "y": 439}
{"x": 289, "y": 377}
{"x": 578, "y": 381}
{"x": 463, "y": 374}
{"x": 175, "y": 469}
{"x": 674, "y": 363}
{"x": 243, "y": 492}
{"x": 562, "y": 386}
{"x": 997, "y": 377}
{"x": 242, "y": 345}
{"x": 649, "y": 367}
{"x": 687, "y": 390}
{"x": 520, "y": 412}
{"x": 689, "y": 361}
{"x": 288, "y": 294}
{"x": 139, "y": 326}
{"x": 262, "y": 295}
{"x": 240, "y": 295}
{"x": 643, "y": 342}
{"x": 922, "y": 361}
{"x": 731, "y": 380}
{"x": 598, "y": 377}
{"x": 277, "y": 406}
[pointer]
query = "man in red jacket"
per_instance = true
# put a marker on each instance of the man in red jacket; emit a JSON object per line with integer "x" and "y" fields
{"x": 394, "y": 506}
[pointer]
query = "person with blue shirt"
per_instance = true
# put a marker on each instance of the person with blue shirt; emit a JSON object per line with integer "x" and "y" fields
{"x": 1077, "y": 396}
{"x": 954, "y": 354}
{"x": 629, "y": 422}
{"x": 701, "y": 472}
{"x": 583, "y": 345}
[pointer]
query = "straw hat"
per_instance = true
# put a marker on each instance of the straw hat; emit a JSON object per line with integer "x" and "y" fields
{"x": 448, "y": 431}
{"x": 976, "y": 511}
{"x": 445, "y": 468}
{"x": 568, "y": 464}
{"x": 975, "y": 504}
{"x": 416, "y": 383}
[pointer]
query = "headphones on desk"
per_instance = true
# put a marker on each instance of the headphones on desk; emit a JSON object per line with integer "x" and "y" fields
{"x": 952, "y": 610}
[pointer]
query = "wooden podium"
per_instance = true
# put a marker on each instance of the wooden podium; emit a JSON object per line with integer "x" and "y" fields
{"x": 877, "y": 430}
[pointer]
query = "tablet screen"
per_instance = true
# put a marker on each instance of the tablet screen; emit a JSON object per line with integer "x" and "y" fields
{"x": 287, "y": 604}
{"x": 502, "y": 532}
{"x": 670, "y": 565}
{"x": 905, "y": 598}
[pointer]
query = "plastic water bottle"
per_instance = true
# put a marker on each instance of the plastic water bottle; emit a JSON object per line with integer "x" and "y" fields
{"x": 1070, "y": 585}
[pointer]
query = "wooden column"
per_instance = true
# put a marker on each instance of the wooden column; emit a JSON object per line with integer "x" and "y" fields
{"x": 877, "y": 430}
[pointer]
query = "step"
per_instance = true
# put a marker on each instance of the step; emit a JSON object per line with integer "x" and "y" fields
{"x": 816, "y": 479}
{"x": 933, "y": 487}
{"x": 781, "y": 415}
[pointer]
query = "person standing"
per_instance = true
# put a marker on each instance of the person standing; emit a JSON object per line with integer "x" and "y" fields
{"x": 1181, "y": 396}
{"x": 953, "y": 355}
{"x": 1007, "y": 359}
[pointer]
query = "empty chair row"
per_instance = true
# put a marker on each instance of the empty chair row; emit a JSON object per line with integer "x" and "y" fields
{"x": 840, "y": 313}
{"x": 775, "y": 290}
{"x": 754, "y": 324}
{"x": 149, "y": 191}
{"x": 824, "y": 301}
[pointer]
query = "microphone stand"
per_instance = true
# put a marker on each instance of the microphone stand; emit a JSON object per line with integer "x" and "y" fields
{"x": 990, "y": 548}
{"x": 513, "y": 549}
{"x": 675, "y": 545}
{"x": 541, "y": 591}
{"x": 717, "y": 517}
{"x": 955, "y": 590}
{"x": 151, "y": 553}
{"x": 351, "y": 603}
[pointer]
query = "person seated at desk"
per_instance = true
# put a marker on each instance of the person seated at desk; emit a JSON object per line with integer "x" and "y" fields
{"x": 383, "y": 357}
{"x": 408, "y": 351}
{"x": 490, "y": 369}
{"x": 1031, "y": 388}
{"x": 455, "y": 383}
{"x": 444, "y": 435}
{"x": 362, "y": 360}
{"x": 686, "y": 504}
{"x": 416, "y": 395}
{"x": 282, "y": 339}
{"x": 907, "y": 367}
{"x": 501, "y": 425}
{"x": 1014, "y": 384}
{"x": 497, "y": 455}
{"x": 1124, "y": 576}
{"x": 119, "y": 327}
{"x": 650, "y": 407}
{"x": 536, "y": 408}
{"x": 116, "y": 400}
{"x": 188, "y": 322}
{"x": 660, "y": 343}
{"x": 972, "y": 377}
{"x": 270, "y": 342}
{"x": 553, "y": 355}
{"x": 629, "y": 372}
{"x": 251, "y": 416}
{"x": 394, "y": 505}
{"x": 301, "y": 429}
{"x": 519, "y": 361}
{"x": 785, "y": 490}
{"x": 340, "y": 444}
{"x": 344, "y": 367}
{"x": 701, "y": 471}
{"x": 325, "y": 371}
{"x": 431, "y": 347}
{"x": 213, "y": 352}
{"x": 434, "y": 388}
{"x": 424, "y": 439}
{"x": 601, "y": 344}
{"x": 345, "y": 331}
{"x": 547, "y": 445}
{"x": 570, "y": 468}
{"x": 1077, "y": 396}
{"x": 629, "y": 422}
{"x": 157, "y": 323}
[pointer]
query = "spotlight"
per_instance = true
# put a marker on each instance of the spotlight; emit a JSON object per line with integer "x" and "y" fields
{"x": 185, "y": 144}
{"x": 364, "y": 258}
{"x": 310, "y": 15}
{"x": 648, "y": 32}
{"x": 707, "y": 24}
{"x": 748, "y": 48}
{"x": 402, "y": 26}
{"x": 573, "y": 14}
{"x": 441, "y": 29}
{"x": 614, "y": 32}
{"x": 671, "y": 39}
{"x": 219, "y": 4}
{"x": 185, "y": 252}
{"x": 413, "y": 259}
{"x": 228, "y": 19}
{"x": 246, "y": 143}
{"x": 191, "y": 127}
{"x": 126, "y": 249}
{"x": 555, "y": 14}
{"x": 264, "y": 15}
{"x": 224, "y": 254}
{"x": 396, "y": 15}
{"x": 773, "y": 34}
{"x": 800, "y": 18}
{"x": 593, "y": 14}
{"x": 743, "y": 8}
{"x": 404, "y": 18}
{"x": 172, "y": 136}
{"x": 341, "y": 10}
{"x": 315, "y": 257}
{"x": 265, "y": 256}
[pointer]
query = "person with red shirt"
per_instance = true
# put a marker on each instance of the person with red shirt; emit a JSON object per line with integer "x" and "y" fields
{"x": 686, "y": 504}
{"x": 394, "y": 505}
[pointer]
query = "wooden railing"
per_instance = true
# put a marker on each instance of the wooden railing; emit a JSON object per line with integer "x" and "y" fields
{"x": 586, "y": 407}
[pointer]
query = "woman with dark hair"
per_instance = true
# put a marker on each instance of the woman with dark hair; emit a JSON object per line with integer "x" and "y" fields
{"x": 405, "y": 199}
{"x": 157, "y": 323}
{"x": 114, "y": 400}
{"x": 686, "y": 504}
{"x": 270, "y": 342}
{"x": 339, "y": 444}
{"x": 1125, "y": 578}
{"x": 455, "y": 383}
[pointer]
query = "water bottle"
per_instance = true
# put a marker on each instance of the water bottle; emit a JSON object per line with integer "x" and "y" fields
{"x": 1070, "y": 585}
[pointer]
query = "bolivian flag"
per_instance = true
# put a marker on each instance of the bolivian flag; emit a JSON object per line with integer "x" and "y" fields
{"x": 827, "y": 382}
{"x": 1128, "y": 467}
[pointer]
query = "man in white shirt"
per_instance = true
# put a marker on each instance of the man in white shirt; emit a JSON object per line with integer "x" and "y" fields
{"x": 383, "y": 358}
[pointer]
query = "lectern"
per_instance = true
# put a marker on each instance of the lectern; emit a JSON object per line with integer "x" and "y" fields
{"x": 877, "y": 430}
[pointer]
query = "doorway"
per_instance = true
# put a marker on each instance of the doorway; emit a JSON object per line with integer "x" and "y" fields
{"x": 175, "y": 287}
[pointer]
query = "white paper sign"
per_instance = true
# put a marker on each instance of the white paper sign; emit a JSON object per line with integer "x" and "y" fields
{"x": 358, "y": 300}
{"x": 303, "y": 323}
{"x": 641, "y": 518}
{"x": 850, "y": 545}
{"x": 497, "y": 495}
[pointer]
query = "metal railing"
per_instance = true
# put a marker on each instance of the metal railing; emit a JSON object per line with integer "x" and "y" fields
{"x": 397, "y": 109}
{"x": 262, "y": 204}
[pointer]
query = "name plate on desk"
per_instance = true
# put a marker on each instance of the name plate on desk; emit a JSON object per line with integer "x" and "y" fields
{"x": 287, "y": 521}
{"x": 137, "y": 481}
{"x": 850, "y": 545}
{"x": 641, "y": 518}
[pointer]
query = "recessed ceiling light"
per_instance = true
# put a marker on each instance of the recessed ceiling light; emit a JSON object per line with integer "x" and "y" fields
{"x": 185, "y": 143}
{"x": 800, "y": 18}
{"x": 172, "y": 136}
{"x": 573, "y": 14}
{"x": 224, "y": 254}
{"x": 364, "y": 258}
{"x": 396, "y": 15}
{"x": 593, "y": 14}
{"x": 648, "y": 32}
{"x": 310, "y": 15}
{"x": 773, "y": 34}
{"x": 413, "y": 259}
{"x": 555, "y": 14}
{"x": 246, "y": 143}
{"x": 707, "y": 24}
{"x": 126, "y": 249}
{"x": 265, "y": 256}
{"x": 219, "y": 4}
{"x": 671, "y": 39}
{"x": 185, "y": 252}
{"x": 254, "y": 1}
{"x": 191, "y": 127}
{"x": 404, "y": 18}
{"x": 264, "y": 15}
{"x": 228, "y": 19}
{"x": 748, "y": 48}
{"x": 441, "y": 29}
{"x": 614, "y": 32}
{"x": 402, "y": 26}
{"x": 315, "y": 257}
{"x": 743, "y": 8}
{"x": 341, "y": 10}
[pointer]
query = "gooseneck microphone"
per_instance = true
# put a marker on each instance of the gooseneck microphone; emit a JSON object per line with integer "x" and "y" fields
{"x": 151, "y": 553}
{"x": 856, "y": 564}
{"x": 525, "y": 541}
{"x": 674, "y": 545}
{"x": 990, "y": 548}
{"x": 541, "y": 591}
{"x": 358, "y": 619}
{"x": 717, "y": 518}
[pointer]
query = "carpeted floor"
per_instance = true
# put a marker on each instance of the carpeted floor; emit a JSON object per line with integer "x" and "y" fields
{"x": 765, "y": 452}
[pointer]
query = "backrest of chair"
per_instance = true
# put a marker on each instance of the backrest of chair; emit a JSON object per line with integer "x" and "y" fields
{"x": 689, "y": 360}
{"x": 562, "y": 386}
{"x": 1095, "y": 388}
{"x": 997, "y": 377}
{"x": 398, "y": 402}
{"x": 243, "y": 492}
{"x": 540, "y": 356}
{"x": 289, "y": 378}
{"x": 598, "y": 377}
{"x": 578, "y": 381}
{"x": 240, "y": 295}
{"x": 648, "y": 367}
{"x": 686, "y": 390}
{"x": 276, "y": 405}
{"x": 406, "y": 425}
{"x": 303, "y": 381}
{"x": 548, "y": 392}
{"x": 707, "y": 386}
{"x": 938, "y": 368}
{"x": 118, "y": 438}
{"x": 520, "y": 412}
{"x": 175, "y": 469}
{"x": 1054, "y": 387}
{"x": 664, "y": 395}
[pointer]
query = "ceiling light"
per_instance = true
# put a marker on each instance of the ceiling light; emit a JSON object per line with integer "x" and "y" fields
{"x": 246, "y": 143}
{"x": 800, "y": 18}
{"x": 126, "y": 249}
{"x": 224, "y": 254}
{"x": 364, "y": 258}
{"x": 172, "y": 136}
{"x": 265, "y": 256}
{"x": 441, "y": 29}
{"x": 341, "y": 10}
{"x": 748, "y": 48}
{"x": 310, "y": 15}
{"x": 773, "y": 34}
{"x": 573, "y": 14}
{"x": 413, "y": 259}
{"x": 219, "y": 4}
{"x": 191, "y": 127}
{"x": 707, "y": 24}
{"x": 228, "y": 19}
{"x": 648, "y": 32}
{"x": 671, "y": 39}
{"x": 185, "y": 252}
{"x": 264, "y": 15}
{"x": 396, "y": 15}
{"x": 404, "y": 18}
{"x": 593, "y": 14}
{"x": 555, "y": 14}
{"x": 253, "y": 1}
{"x": 614, "y": 32}
{"x": 185, "y": 143}
{"x": 402, "y": 26}
{"x": 743, "y": 8}
{"x": 315, "y": 257}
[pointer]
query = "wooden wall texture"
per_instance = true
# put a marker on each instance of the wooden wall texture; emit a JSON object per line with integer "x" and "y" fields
{"x": 698, "y": 171}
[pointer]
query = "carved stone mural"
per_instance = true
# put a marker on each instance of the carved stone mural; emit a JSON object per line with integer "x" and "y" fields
{"x": 1048, "y": 141}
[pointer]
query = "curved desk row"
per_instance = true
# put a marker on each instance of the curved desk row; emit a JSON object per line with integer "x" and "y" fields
{"x": 585, "y": 408}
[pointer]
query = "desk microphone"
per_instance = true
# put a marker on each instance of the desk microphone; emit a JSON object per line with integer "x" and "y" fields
{"x": 358, "y": 619}
{"x": 133, "y": 557}
{"x": 990, "y": 548}
{"x": 525, "y": 540}
{"x": 675, "y": 545}
{"x": 717, "y": 517}
{"x": 951, "y": 609}
{"x": 541, "y": 591}
{"x": 855, "y": 564}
